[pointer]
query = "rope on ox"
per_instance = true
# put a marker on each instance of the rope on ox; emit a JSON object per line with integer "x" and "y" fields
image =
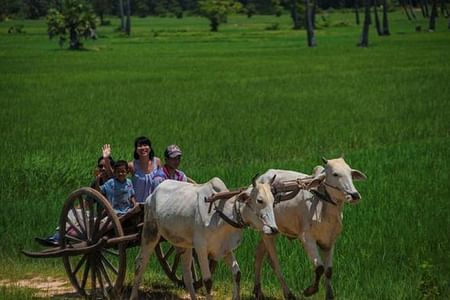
{"x": 225, "y": 196}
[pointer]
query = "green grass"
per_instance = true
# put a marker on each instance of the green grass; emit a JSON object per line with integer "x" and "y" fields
{"x": 238, "y": 102}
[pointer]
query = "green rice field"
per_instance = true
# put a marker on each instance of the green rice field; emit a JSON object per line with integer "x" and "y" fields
{"x": 238, "y": 102}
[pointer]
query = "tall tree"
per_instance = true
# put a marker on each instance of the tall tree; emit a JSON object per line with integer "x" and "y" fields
{"x": 364, "y": 41}
{"x": 377, "y": 19}
{"x": 128, "y": 19}
{"x": 385, "y": 18}
{"x": 295, "y": 15}
{"x": 433, "y": 15}
{"x": 356, "y": 8}
{"x": 405, "y": 9}
{"x": 309, "y": 24}
{"x": 122, "y": 16}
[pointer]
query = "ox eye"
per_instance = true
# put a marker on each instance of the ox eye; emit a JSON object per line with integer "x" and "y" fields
{"x": 335, "y": 174}
{"x": 259, "y": 201}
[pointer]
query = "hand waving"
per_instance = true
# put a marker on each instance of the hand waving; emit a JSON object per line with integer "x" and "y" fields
{"x": 106, "y": 150}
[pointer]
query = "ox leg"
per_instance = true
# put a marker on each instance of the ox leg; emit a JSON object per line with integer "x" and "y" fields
{"x": 150, "y": 238}
{"x": 328, "y": 264}
{"x": 260, "y": 253}
{"x": 186, "y": 258}
{"x": 312, "y": 250}
{"x": 202, "y": 255}
{"x": 231, "y": 261}
{"x": 269, "y": 242}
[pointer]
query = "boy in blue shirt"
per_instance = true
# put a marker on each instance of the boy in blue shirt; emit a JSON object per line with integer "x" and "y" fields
{"x": 119, "y": 189}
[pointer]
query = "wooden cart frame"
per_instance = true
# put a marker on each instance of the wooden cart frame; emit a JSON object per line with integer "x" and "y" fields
{"x": 93, "y": 243}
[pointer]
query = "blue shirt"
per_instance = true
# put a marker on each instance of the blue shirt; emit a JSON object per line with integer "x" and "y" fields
{"x": 118, "y": 194}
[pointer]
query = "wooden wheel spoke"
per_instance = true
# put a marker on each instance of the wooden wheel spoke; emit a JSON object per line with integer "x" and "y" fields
{"x": 85, "y": 276}
{"x": 72, "y": 238}
{"x": 77, "y": 218}
{"x": 93, "y": 278}
{"x": 168, "y": 253}
{"x": 100, "y": 280}
{"x": 104, "y": 228}
{"x": 109, "y": 264}
{"x": 91, "y": 218}
{"x": 98, "y": 221}
{"x": 83, "y": 214}
{"x": 112, "y": 252}
{"x": 105, "y": 274}
{"x": 79, "y": 264}
{"x": 175, "y": 263}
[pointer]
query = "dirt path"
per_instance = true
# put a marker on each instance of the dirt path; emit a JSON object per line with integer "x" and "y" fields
{"x": 45, "y": 287}
{"x": 52, "y": 287}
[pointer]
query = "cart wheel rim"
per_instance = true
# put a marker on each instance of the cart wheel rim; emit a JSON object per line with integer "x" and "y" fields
{"x": 86, "y": 218}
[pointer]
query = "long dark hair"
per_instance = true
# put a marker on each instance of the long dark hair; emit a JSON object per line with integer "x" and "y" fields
{"x": 142, "y": 140}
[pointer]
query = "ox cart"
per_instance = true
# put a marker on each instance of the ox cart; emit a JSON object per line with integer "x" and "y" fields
{"x": 93, "y": 243}
{"x": 94, "y": 240}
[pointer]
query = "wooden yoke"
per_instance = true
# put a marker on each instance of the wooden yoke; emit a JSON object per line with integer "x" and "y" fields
{"x": 220, "y": 196}
{"x": 290, "y": 188}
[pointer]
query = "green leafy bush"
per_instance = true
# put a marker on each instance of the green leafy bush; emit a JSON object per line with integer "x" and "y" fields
{"x": 217, "y": 11}
{"x": 75, "y": 20}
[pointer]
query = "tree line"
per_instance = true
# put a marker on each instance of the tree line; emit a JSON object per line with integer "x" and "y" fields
{"x": 72, "y": 19}
{"x": 33, "y": 9}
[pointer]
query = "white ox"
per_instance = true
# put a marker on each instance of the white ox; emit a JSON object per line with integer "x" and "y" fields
{"x": 313, "y": 217}
{"x": 177, "y": 211}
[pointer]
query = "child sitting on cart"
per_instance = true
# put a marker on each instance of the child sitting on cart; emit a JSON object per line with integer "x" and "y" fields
{"x": 119, "y": 189}
{"x": 102, "y": 173}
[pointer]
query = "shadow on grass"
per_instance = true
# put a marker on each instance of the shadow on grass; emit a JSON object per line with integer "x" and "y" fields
{"x": 154, "y": 292}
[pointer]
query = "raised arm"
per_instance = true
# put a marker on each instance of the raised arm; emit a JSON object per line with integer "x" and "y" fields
{"x": 106, "y": 152}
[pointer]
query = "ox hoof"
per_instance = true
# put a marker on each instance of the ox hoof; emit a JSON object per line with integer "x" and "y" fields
{"x": 310, "y": 291}
{"x": 257, "y": 292}
{"x": 290, "y": 296}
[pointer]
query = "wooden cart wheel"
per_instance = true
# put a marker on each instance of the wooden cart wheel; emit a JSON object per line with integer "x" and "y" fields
{"x": 169, "y": 258}
{"x": 87, "y": 219}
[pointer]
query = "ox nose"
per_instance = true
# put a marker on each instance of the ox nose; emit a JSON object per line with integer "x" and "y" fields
{"x": 270, "y": 230}
{"x": 355, "y": 196}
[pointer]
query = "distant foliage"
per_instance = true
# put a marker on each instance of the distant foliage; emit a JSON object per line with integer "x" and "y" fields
{"x": 274, "y": 26}
{"x": 217, "y": 11}
{"x": 74, "y": 21}
{"x": 17, "y": 29}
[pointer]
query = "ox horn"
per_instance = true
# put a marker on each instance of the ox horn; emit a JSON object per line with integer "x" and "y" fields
{"x": 222, "y": 195}
{"x": 273, "y": 179}
{"x": 254, "y": 180}
{"x": 325, "y": 161}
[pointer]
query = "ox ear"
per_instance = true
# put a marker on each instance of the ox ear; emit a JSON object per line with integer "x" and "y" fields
{"x": 325, "y": 161}
{"x": 316, "y": 181}
{"x": 358, "y": 175}
{"x": 243, "y": 197}
{"x": 254, "y": 180}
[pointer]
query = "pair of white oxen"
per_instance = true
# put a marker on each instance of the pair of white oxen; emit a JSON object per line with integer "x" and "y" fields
{"x": 178, "y": 212}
